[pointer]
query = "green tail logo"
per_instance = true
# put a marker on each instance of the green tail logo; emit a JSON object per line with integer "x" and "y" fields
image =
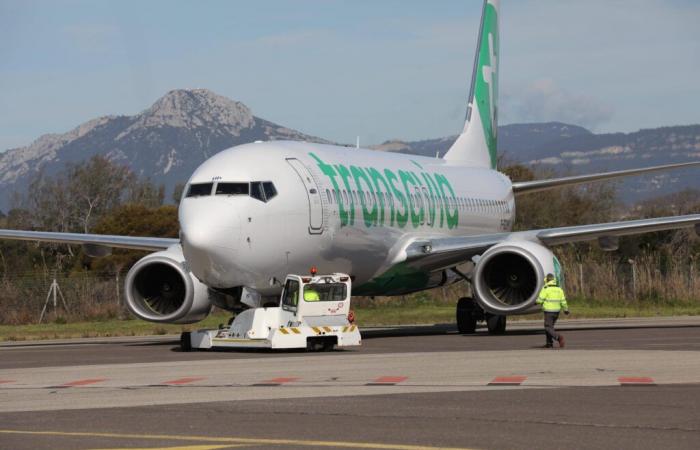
{"x": 486, "y": 82}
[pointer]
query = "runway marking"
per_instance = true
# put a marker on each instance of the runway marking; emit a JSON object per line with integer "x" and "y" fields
{"x": 515, "y": 380}
{"x": 636, "y": 381}
{"x": 276, "y": 381}
{"x": 85, "y": 382}
{"x": 186, "y": 380}
{"x": 6, "y": 381}
{"x": 186, "y": 447}
{"x": 236, "y": 440}
{"x": 386, "y": 381}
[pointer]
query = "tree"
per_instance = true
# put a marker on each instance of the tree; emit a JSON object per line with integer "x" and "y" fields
{"x": 177, "y": 193}
{"x": 144, "y": 192}
{"x": 96, "y": 187}
{"x": 133, "y": 220}
{"x": 561, "y": 207}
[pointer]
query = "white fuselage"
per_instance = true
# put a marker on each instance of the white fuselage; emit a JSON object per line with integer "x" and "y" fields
{"x": 337, "y": 208}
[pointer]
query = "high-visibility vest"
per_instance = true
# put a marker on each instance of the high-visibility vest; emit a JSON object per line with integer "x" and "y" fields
{"x": 552, "y": 298}
{"x": 310, "y": 295}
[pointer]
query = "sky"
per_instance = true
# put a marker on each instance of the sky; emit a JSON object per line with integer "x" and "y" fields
{"x": 378, "y": 69}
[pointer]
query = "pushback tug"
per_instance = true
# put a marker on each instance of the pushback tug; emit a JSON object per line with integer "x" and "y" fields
{"x": 313, "y": 313}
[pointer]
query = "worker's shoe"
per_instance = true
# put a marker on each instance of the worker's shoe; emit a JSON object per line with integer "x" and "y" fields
{"x": 548, "y": 346}
{"x": 562, "y": 342}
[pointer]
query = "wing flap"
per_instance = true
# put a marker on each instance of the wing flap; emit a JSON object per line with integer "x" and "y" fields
{"x": 443, "y": 252}
{"x": 94, "y": 240}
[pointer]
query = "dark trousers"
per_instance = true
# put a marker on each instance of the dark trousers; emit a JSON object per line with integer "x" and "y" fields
{"x": 550, "y": 318}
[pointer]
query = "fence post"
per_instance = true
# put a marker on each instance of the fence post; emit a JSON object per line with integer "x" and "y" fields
{"x": 691, "y": 278}
{"x": 580, "y": 279}
{"x": 634, "y": 278}
{"x": 117, "y": 286}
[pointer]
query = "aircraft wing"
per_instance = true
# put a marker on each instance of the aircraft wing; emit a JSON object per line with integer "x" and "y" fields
{"x": 92, "y": 241}
{"x": 444, "y": 252}
{"x": 526, "y": 187}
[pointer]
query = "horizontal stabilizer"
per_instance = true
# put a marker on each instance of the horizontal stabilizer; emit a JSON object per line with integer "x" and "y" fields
{"x": 525, "y": 187}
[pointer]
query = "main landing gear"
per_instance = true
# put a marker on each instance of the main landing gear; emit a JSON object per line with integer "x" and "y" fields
{"x": 469, "y": 313}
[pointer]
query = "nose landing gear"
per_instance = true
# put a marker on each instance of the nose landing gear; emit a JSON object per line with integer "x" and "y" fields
{"x": 469, "y": 313}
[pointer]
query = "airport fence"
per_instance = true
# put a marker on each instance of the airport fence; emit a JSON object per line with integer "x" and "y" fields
{"x": 77, "y": 296}
{"x": 647, "y": 281}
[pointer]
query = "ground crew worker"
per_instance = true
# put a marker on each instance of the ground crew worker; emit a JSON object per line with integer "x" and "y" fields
{"x": 553, "y": 300}
{"x": 310, "y": 295}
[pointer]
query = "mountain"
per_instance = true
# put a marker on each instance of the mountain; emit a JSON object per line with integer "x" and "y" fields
{"x": 569, "y": 149}
{"x": 179, "y": 131}
{"x": 166, "y": 142}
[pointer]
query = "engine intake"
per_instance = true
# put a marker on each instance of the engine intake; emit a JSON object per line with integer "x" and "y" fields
{"x": 159, "y": 289}
{"x": 508, "y": 277}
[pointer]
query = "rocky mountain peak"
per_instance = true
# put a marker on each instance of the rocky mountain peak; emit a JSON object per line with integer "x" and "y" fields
{"x": 194, "y": 108}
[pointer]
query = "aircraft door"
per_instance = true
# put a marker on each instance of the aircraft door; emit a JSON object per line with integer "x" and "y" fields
{"x": 430, "y": 207}
{"x": 313, "y": 195}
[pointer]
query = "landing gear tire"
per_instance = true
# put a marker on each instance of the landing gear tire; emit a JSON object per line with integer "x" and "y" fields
{"x": 466, "y": 315}
{"x": 185, "y": 342}
{"x": 496, "y": 324}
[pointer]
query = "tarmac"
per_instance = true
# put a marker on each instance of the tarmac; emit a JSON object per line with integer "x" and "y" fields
{"x": 623, "y": 383}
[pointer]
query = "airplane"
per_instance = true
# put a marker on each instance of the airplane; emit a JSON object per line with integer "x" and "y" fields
{"x": 396, "y": 223}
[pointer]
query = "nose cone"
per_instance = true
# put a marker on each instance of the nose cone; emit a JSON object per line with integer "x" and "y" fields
{"x": 210, "y": 238}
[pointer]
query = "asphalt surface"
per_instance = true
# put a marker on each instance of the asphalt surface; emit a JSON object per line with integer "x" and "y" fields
{"x": 406, "y": 387}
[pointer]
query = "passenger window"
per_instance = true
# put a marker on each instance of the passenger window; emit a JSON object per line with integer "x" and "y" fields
{"x": 232, "y": 189}
{"x": 291, "y": 294}
{"x": 328, "y": 194}
{"x": 199, "y": 189}
{"x": 256, "y": 191}
{"x": 270, "y": 190}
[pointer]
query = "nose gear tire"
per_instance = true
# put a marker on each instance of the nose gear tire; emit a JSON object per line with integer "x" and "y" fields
{"x": 466, "y": 315}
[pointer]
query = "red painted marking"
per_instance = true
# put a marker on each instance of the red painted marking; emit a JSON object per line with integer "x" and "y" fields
{"x": 512, "y": 380}
{"x": 635, "y": 380}
{"x": 390, "y": 379}
{"x": 6, "y": 381}
{"x": 84, "y": 382}
{"x": 282, "y": 380}
{"x": 186, "y": 380}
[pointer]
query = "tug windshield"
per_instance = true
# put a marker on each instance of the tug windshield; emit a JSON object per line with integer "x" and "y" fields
{"x": 325, "y": 292}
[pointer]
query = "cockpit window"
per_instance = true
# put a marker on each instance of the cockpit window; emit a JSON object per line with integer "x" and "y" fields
{"x": 256, "y": 191}
{"x": 259, "y": 190}
{"x": 232, "y": 189}
{"x": 199, "y": 189}
{"x": 270, "y": 190}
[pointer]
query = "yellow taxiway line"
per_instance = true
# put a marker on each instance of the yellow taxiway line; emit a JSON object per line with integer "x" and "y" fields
{"x": 233, "y": 440}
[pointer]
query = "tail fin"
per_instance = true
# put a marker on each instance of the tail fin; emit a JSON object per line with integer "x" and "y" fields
{"x": 477, "y": 143}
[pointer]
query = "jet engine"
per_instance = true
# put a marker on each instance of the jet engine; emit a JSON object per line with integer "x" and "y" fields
{"x": 508, "y": 276}
{"x": 160, "y": 288}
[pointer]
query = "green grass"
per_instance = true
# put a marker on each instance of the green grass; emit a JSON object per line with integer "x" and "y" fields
{"x": 372, "y": 316}
{"x": 113, "y": 327}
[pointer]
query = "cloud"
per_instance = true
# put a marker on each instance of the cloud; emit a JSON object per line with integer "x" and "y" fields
{"x": 543, "y": 100}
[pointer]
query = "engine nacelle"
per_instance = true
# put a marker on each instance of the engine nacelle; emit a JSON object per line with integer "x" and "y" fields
{"x": 160, "y": 288}
{"x": 508, "y": 276}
